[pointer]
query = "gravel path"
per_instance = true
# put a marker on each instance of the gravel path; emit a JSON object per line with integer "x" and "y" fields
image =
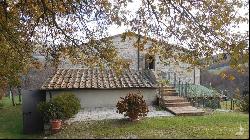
{"x": 110, "y": 113}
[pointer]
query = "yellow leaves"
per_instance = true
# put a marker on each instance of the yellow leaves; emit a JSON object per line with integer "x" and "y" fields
{"x": 178, "y": 1}
{"x": 223, "y": 75}
{"x": 231, "y": 77}
{"x": 127, "y": 34}
{"x": 130, "y": 34}
{"x": 140, "y": 45}
{"x": 216, "y": 23}
{"x": 215, "y": 13}
{"x": 116, "y": 19}
{"x": 237, "y": 54}
{"x": 105, "y": 3}
{"x": 154, "y": 49}
{"x": 61, "y": 8}
{"x": 161, "y": 9}
{"x": 242, "y": 68}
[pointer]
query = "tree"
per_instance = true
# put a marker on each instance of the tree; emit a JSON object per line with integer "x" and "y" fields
{"x": 63, "y": 27}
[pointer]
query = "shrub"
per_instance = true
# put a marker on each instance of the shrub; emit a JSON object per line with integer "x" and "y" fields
{"x": 133, "y": 105}
{"x": 212, "y": 103}
{"x": 69, "y": 103}
{"x": 244, "y": 103}
{"x": 50, "y": 111}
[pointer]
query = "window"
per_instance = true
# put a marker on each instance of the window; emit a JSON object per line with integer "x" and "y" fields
{"x": 149, "y": 62}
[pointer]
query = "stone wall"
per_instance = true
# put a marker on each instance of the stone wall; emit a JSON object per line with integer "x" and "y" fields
{"x": 127, "y": 50}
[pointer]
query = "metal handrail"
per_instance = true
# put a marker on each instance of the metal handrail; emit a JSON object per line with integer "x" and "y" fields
{"x": 183, "y": 85}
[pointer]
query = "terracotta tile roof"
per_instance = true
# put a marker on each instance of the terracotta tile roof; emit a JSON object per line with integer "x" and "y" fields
{"x": 97, "y": 79}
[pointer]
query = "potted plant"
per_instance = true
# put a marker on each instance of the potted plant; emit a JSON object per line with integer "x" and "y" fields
{"x": 52, "y": 114}
{"x": 56, "y": 117}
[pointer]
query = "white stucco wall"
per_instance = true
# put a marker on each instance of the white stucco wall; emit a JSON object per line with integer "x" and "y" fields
{"x": 104, "y": 97}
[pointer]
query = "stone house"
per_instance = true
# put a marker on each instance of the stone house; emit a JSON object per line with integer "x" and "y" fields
{"x": 96, "y": 88}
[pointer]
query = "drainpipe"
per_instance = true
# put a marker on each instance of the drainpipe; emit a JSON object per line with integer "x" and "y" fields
{"x": 194, "y": 75}
{"x": 50, "y": 95}
{"x": 138, "y": 58}
{"x": 138, "y": 52}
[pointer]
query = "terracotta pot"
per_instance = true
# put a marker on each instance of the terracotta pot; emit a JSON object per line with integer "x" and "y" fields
{"x": 56, "y": 125}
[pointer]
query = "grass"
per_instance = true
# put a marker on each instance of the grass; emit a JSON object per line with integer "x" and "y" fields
{"x": 216, "y": 125}
{"x": 11, "y": 121}
{"x": 6, "y": 102}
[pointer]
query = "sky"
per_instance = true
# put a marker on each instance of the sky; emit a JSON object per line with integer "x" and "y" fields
{"x": 242, "y": 27}
{"x": 134, "y": 6}
{"x": 115, "y": 29}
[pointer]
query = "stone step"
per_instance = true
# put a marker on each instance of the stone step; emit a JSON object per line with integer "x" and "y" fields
{"x": 167, "y": 86}
{"x": 170, "y": 94}
{"x": 177, "y": 104}
{"x": 186, "y": 111}
{"x": 169, "y": 89}
{"x": 166, "y": 91}
{"x": 172, "y": 99}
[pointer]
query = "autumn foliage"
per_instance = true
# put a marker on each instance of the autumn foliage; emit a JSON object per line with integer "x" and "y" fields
{"x": 59, "y": 29}
{"x": 133, "y": 106}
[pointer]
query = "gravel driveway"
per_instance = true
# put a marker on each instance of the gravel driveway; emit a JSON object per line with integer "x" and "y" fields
{"x": 110, "y": 113}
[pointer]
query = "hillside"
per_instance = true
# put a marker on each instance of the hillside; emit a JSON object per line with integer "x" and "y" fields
{"x": 211, "y": 75}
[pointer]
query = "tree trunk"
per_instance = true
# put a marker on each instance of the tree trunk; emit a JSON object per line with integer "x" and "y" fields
{"x": 19, "y": 94}
{"x": 12, "y": 96}
{"x": 1, "y": 93}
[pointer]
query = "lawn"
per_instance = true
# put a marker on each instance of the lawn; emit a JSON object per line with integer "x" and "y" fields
{"x": 11, "y": 120}
{"x": 215, "y": 125}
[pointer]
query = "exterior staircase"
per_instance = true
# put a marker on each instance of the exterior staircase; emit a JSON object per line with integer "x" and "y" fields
{"x": 175, "y": 104}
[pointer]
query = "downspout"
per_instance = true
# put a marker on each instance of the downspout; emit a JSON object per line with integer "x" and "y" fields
{"x": 50, "y": 95}
{"x": 138, "y": 52}
{"x": 194, "y": 75}
{"x": 138, "y": 58}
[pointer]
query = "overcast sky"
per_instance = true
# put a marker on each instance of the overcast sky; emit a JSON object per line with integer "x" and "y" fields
{"x": 132, "y": 7}
{"x": 114, "y": 29}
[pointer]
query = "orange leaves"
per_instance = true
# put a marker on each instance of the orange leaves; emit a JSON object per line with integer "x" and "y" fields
{"x": 226, "y": 75}
{"x": 133, "y": 105}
